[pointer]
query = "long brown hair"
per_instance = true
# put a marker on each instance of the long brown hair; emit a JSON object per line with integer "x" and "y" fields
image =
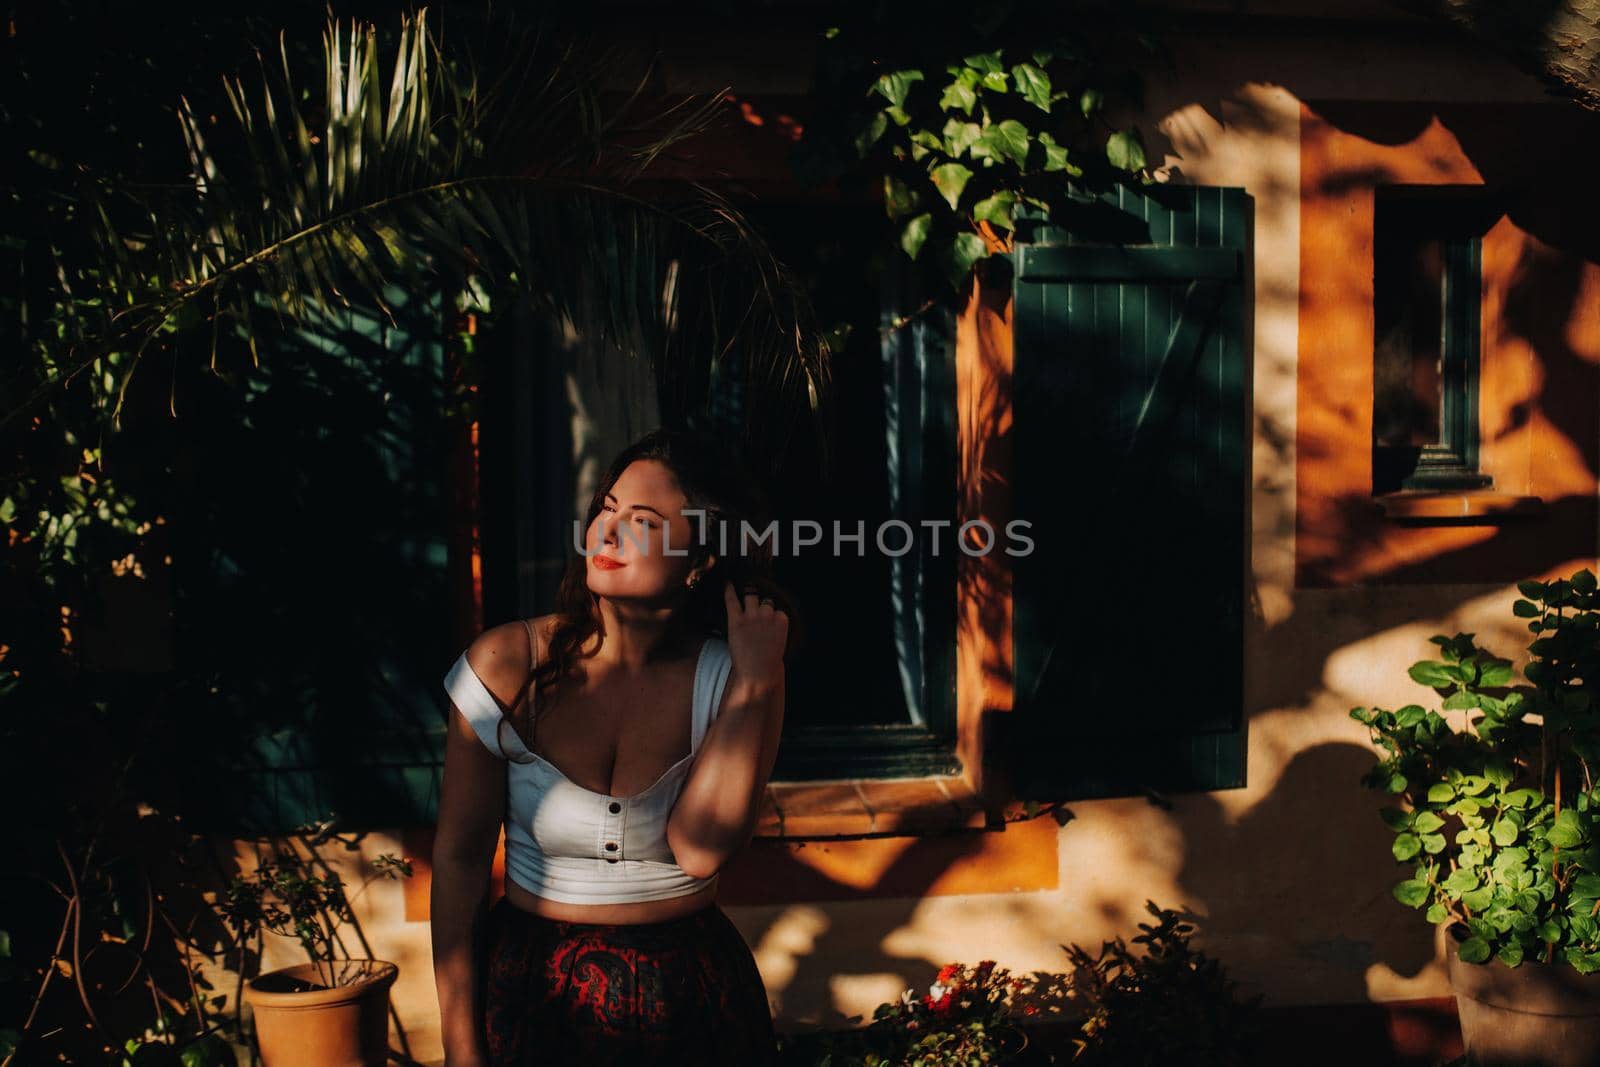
{"x": 712, "y": 478}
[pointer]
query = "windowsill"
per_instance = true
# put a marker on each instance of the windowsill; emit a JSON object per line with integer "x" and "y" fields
{"x": 1464, "y": 507}
{"x": 868, "y": 807}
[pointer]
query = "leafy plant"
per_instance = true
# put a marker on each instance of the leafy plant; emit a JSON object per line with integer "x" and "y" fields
{"x": 418, "y": 164}
{"x": 1165, "y": 1004}
{"x": 965, "y": 1017}
{"x": 293, "y": 896}
{"x": 971, "y": 114}
{"x": 1169, "y": 1004}
{"x": 1499, "y": 818}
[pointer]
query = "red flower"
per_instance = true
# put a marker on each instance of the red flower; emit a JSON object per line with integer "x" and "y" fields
{"x": 947, "y": 972}
{"x": 942, "y": 1005}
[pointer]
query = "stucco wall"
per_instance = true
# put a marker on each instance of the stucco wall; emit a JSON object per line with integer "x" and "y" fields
{"x": 1289, "y": 877}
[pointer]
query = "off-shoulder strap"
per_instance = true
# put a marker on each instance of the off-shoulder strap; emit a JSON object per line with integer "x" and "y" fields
{"x": 711, "y": 678}
{"x": 468, "y": 692}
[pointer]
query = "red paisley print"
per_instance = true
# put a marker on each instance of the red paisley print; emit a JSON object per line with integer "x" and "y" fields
{"x": 682, "y": 991}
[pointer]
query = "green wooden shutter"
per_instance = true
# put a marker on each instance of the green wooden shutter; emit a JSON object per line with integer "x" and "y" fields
{"x": 1131, "y": 425}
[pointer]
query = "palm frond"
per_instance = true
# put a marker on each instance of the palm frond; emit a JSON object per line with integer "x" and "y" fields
{"x": 507, "y": 163}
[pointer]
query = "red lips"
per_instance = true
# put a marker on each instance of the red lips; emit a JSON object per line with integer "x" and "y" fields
{"x": 606, "y": 563}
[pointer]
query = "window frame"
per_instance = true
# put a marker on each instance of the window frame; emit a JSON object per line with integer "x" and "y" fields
{"x": 520, "y": 577}
{"x": 1450, "y": 465}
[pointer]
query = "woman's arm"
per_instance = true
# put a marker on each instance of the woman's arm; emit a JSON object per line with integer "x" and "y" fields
{"x": 472, "y": 800}
{"x": 717, "y": 810}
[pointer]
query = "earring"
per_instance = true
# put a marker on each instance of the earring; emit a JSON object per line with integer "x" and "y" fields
{"x": 693, "y": 582}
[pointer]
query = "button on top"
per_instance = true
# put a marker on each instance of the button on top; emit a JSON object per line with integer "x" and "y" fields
{"x": 611, "y": 846}
{"x": 615, "y": 807}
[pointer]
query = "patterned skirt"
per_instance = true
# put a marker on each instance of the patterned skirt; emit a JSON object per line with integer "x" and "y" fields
{"x": 682, "y": 990}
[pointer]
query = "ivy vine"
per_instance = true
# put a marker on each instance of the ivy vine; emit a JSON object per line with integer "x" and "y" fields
{"x": 1025, "y": 114}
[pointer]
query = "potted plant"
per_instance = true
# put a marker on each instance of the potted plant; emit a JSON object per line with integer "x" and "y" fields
{"x": 1496, "y": 820}
{"x": 333, "y": 1010}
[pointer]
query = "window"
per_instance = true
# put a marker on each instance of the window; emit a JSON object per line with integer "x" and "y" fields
{"x": 1426, "y": 313}
{"x": 872, "y": 693}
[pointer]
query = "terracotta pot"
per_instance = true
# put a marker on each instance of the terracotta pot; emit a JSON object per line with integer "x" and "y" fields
{"x": 341, "y": 1026}
{"x": 1534, "y": 1015}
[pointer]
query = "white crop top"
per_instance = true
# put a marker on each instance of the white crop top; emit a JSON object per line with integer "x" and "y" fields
{"x": 571, "y": 844}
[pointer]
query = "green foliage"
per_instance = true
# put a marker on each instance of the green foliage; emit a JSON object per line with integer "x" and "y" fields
{"x": 965, "y": 1017}
{"x": 1166, "y": 1003}
{"x": 1169, "y": 1004}
{"x": 976, "y": 114}
{"x": 1497, "y": 821}
{"x": 291, "y": 895}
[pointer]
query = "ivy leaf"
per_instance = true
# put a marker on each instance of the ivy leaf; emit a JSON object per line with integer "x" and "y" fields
{"x": 1478, "y": 899}
{"x": 898, "y": 198}
{"x": 959, "y": 136}
{"x": 1033, "y": 85}
{"x": 1125, "y": 150}
{"x": 894, "y": 86}
{"x": 985, "y": 62}
{"x": 960, "y": 94}
{"x": 1505, "y": 832}
{"x": 959, "y": 256}
{"x": 1055, "y": 155}
{"x": 868, "y": 137}
{"x": 997, "y": 209}
{"x": 1510, "y": 953}
{"x": 923, "y": 142}
{"x": 1004, "y": 140}
{"x": 1091, "y": 101}
{"x": 899, "y": 114}
{"x": 951, "y": 178}
{"x": 1406, "y": 846}
{"x": 1473, "y": 950}
{"x": 915, "y": 234}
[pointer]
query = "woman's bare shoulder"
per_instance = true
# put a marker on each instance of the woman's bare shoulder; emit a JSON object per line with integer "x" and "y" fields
{"x": 499, "y": 655}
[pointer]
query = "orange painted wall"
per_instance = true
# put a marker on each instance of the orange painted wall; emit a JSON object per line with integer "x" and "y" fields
{"x": 1539, "y": 353}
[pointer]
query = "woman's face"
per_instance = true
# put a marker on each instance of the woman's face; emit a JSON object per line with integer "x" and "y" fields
{"x": 640, "y": 519}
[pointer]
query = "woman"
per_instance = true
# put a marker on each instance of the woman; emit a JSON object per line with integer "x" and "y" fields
{"x": 625, "y": 744}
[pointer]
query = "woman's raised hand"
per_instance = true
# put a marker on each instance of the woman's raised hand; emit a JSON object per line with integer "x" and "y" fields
{"x": 757, "y": 634}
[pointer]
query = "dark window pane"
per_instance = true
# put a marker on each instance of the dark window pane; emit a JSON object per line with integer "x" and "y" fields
{"x": 847, "y": 673}
{"x": 1408, "y": 307}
